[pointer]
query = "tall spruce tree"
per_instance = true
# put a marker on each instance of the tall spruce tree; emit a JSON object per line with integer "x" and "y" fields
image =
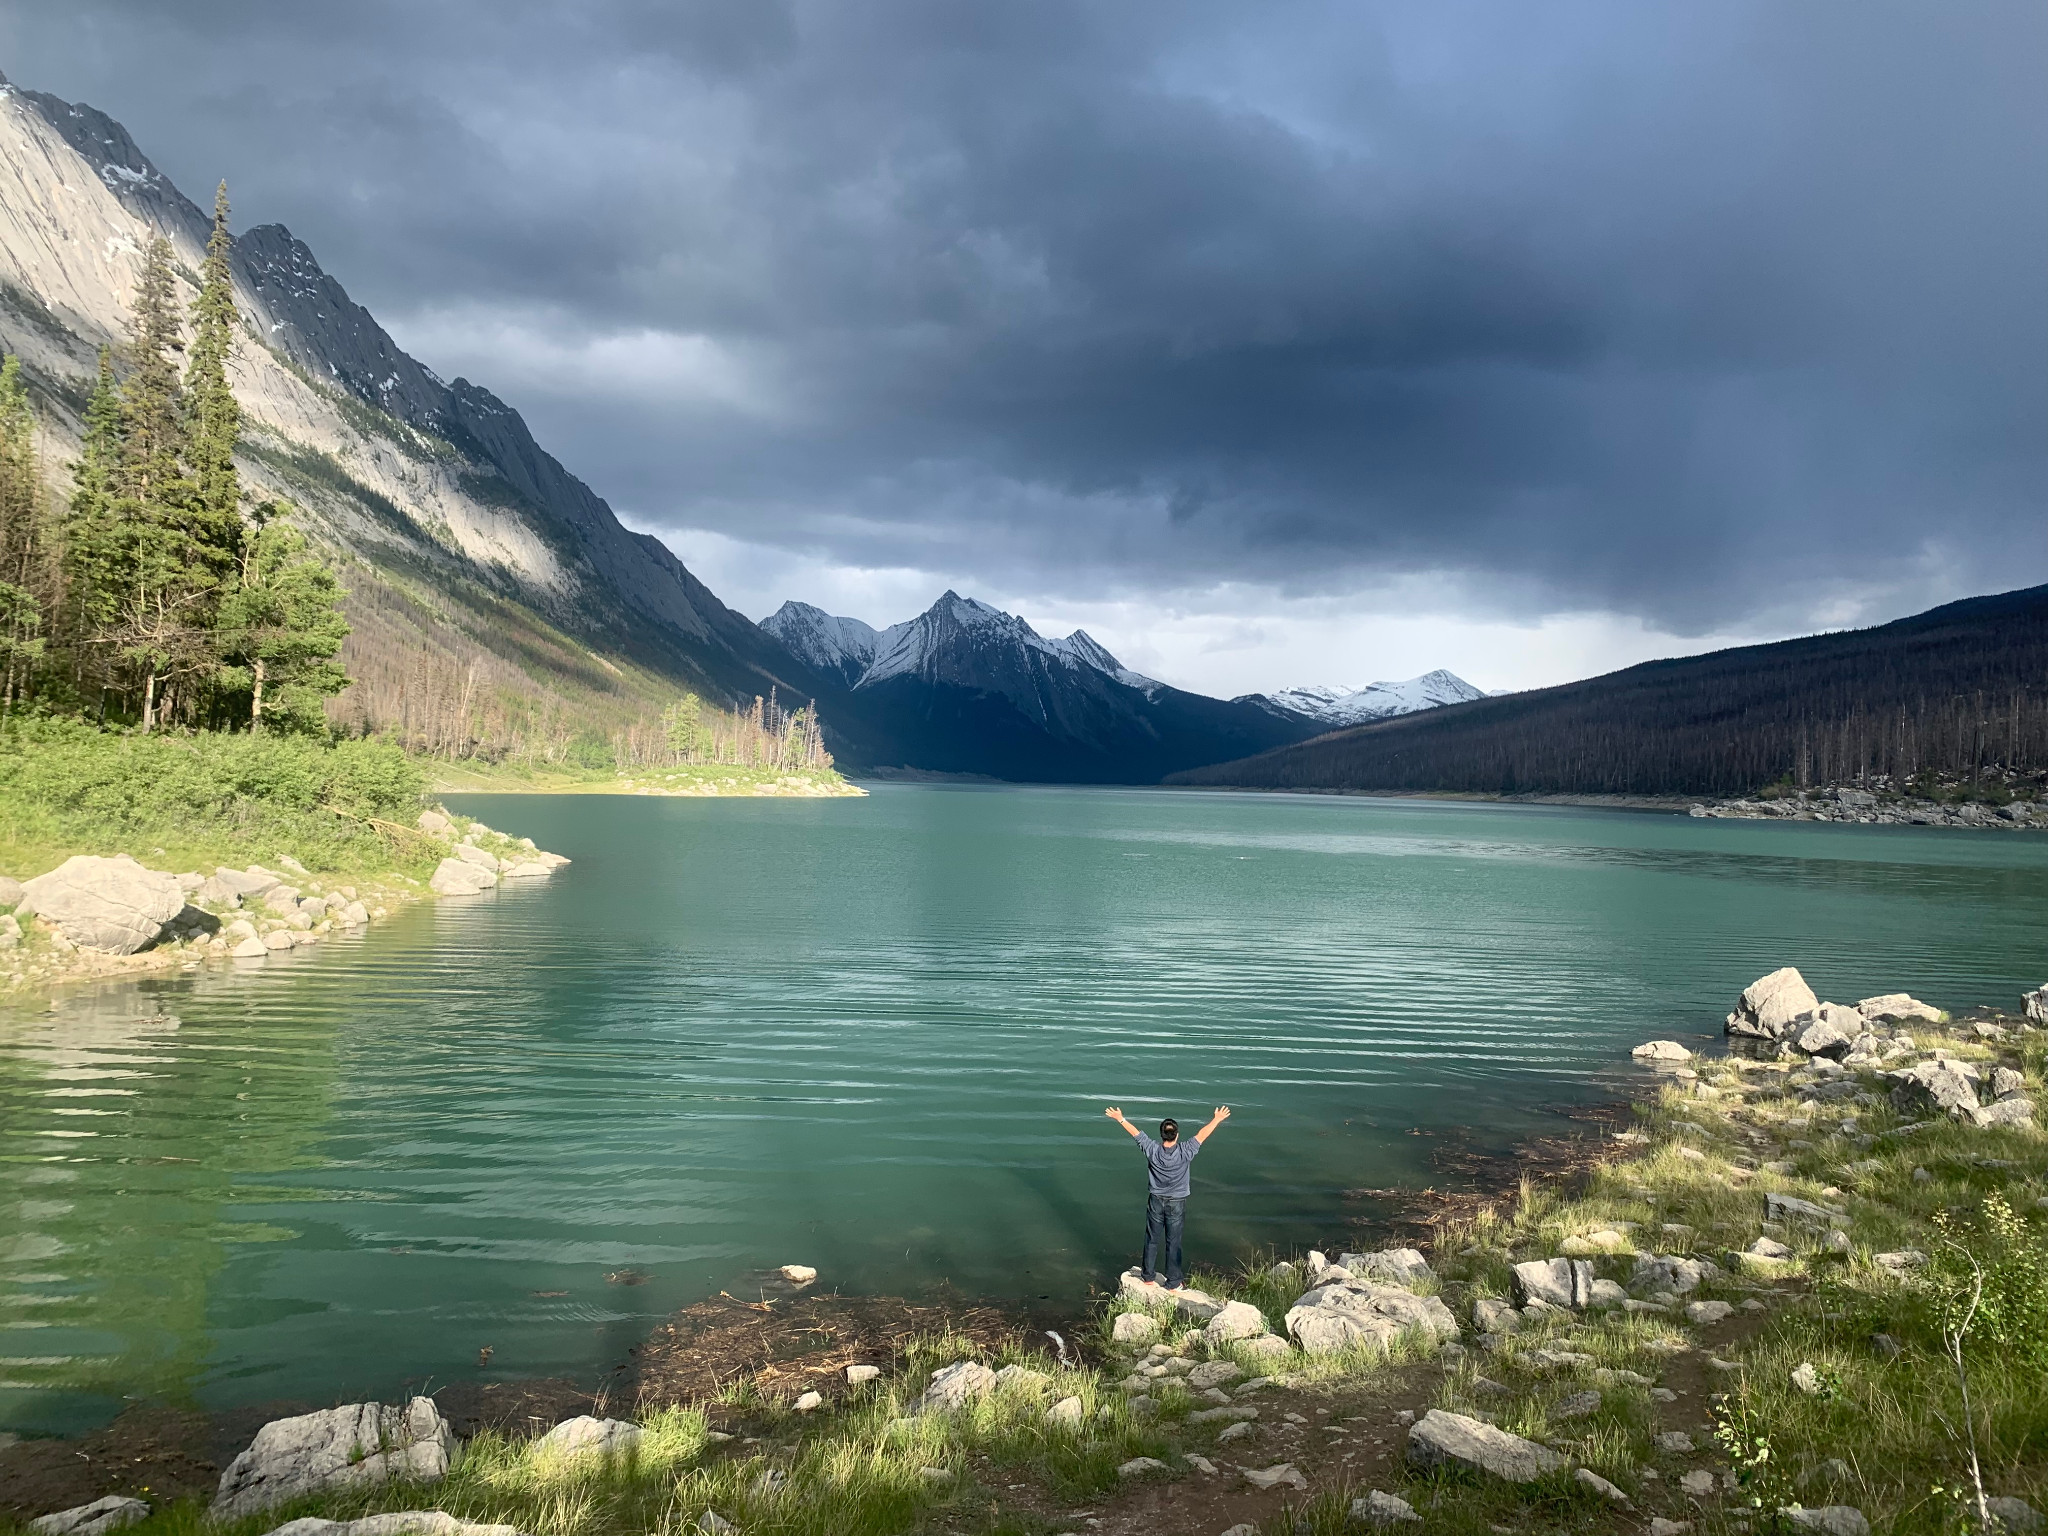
{"x": 214, "y": 420}
{"x": 174, "y": 570}
{"x": 96, "y": 557}
{"x": 24, "y": 540}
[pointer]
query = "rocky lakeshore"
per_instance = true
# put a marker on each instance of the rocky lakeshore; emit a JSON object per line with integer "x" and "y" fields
{"x": 1868, "y": 809}
{"x": 1741, "y": 1320}
{"x": 97, "y": 917}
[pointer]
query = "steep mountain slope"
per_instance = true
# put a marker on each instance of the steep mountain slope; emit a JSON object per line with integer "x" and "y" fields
{"x": 1955, "y": 690}
{"x": 967, "y": 688}
{"x": 832, "y": 646}
{"x": 495, "y": 596}
{"x": 1330, "y": 708}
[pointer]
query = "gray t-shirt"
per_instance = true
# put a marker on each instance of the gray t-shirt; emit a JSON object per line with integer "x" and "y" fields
{"x": 1166, "y": 1168}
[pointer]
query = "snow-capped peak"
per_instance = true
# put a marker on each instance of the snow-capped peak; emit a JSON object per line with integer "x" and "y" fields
{"x": 857, "y": 652}
{"x": 1375, "y": 701}
{"x": 825, "y": 640}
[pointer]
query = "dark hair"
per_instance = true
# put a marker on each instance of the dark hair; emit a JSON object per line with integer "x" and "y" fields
{"x": 1169, "y": 1129}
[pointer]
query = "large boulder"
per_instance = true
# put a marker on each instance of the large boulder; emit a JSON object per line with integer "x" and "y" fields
{"x": 1347, "y": 1312}
{"x": 113, "y": 905}
{"x": 108, "y": 1514}
{"x": 1936, "y": 1087}
{"x": 1661, "y": 1050}
{"x": 1672, "y": 1272}
{"x": 454, "y": 877}
{"x": 1769, "y": 1005}
{"x": 1395, "y": 1266}
{"x": 1554, "y": 1282}
{"x": 1899, "y": 1006}
{"x": 404, "y": 1522}
{"x": 1237, "y": 1320}
{"x": 1830, "y": 1033}
{"x": 1440, "y": 1439}
{"x": 588, "y": 1436}
{"x": 359, "y": 1445}
{"x": 956, "y": 1386}
{"x": 469, "y": 853}
{"x": 2036, "y": 1004}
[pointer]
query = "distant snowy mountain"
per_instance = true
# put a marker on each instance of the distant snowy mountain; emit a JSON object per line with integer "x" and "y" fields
{"x": 967, "y": 688}
{"x": 1334, "y": 707}
{"x": 838, "y": 647}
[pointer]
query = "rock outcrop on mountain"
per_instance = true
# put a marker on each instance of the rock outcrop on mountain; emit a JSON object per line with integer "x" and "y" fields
{"x": 967, "y": 688}
{"x": 474, "y": 558}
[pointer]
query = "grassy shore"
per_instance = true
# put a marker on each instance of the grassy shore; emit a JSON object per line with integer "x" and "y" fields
{"x": 697, "y": 779}
{"x": 1821, "y": 1376}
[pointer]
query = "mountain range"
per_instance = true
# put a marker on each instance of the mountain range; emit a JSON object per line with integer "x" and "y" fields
{"x": 497, "y": 603}
{"x": 1333, "y": 708}
{"x": 1952, "y": 695}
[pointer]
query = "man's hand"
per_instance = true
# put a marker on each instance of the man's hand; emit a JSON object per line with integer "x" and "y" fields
{"x": 1222, "y": 1114}
{"x": 1118, "y": 1116}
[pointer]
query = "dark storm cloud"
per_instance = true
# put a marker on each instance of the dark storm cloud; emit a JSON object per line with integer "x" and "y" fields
{"x": 1704, "y": 313}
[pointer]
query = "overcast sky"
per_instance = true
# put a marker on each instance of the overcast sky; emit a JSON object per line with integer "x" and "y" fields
{"x": 1280, "y": 343}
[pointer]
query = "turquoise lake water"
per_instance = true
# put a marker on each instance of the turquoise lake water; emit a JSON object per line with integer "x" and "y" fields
{"x": 877, "y": 1036}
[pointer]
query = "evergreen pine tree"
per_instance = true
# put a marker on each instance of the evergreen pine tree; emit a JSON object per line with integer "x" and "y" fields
{"x": 282, "y": 626}
{"x": 214, "y": 420}
{"x": 23, "y": 538}
{"x": 96, "y": 560}
{"x": 173, "y": 574}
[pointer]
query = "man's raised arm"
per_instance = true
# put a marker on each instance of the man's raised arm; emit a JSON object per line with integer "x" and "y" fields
{"x": 1222, "y": 1114}
{"x": 1118, "y": 1116}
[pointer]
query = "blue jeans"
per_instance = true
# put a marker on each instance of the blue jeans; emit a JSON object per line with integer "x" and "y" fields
{"x": 1163, "y": 1217}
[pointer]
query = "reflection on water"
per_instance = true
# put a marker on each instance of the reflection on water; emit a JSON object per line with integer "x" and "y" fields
{"x": 876, "y": 1036}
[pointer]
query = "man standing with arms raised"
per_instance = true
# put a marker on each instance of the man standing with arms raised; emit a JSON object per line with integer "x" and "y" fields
{"x": 1166, "y": 1177}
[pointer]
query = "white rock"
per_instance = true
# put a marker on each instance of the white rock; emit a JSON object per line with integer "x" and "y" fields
{"x": 1138, "y": 1466}
{"x": 809, "y": 1401}
{"x": 1806, "y": 1378}
{"x": 452, "y": 877}
{"x": 1898, "y": 1005}
{"x": 1380, "y": 1510}
{"x": 251, "y": 948}
{"x": 1236, "y": 1320}
{"x": 857, "y": 1374}
{"x": 1832, "y": 1519}
{"x": 112, "y": 905}
{"x": 1565, "y": 1283}
{"x": 404, "y": 1522}
{"x": 1705, "y": 1312}
{"x": 1067, "y": 1413}
{"x": 798, "y": 1274}
{"x": 585, "y": 1435}
{"x": 1023, "y": 1377}
{"x": 1395, "y": 1266}
{"x": 1334, "y": 1317}
{"x": 1659, "y": 1526}
{"x": 1672, "y": 1272}
{"x": 1661, "y": 1050}
{"x": 434, "y": 822}
{"x": 108, "y": 1514}
{"x": 10, "y": 898}
{"x": 1440, "y": 1439}
{"x": 1770, "y": 1004}
{"x": 278, "y": 938}
{"x": 356, "y": 1446}
{"x": 1213, "y": 1373}
{"x": 1134, "y": 1328}
{"x": 956, "y": 1386}
{"x": 1282, "y": 1475}
{"x": 469, "y": 853}
{"x": 526, "y": 869}
{"x": 1586, "y": 1477}
{"x": 1266, "y": 1347}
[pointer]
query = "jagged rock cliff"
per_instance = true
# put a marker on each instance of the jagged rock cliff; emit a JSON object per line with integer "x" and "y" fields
{"x": 470, "y": 551}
